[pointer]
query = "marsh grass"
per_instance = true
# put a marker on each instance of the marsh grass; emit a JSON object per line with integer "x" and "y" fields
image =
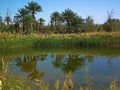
{"x": 95, "y": 39}
{"x": 114, "y": 85}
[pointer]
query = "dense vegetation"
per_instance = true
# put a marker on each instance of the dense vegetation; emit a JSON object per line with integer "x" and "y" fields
{"x": 64, "y": 29}
{"x": 66, "y": 21}
{"x": 96, "y": 39}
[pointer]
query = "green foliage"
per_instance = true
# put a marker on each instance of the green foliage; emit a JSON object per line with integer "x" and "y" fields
{"x": 8, "y": 20}
{"x": 99, "y": 39}
{"x": 33, "y": 7}
{"x": 0, "y": 19}
{"x": 112, "y": 25}
{"x": 56, "y": 20}
{"x": 80, "y": 40}
{"x": 68, "y": 15}
{"x": 90, "y": 24}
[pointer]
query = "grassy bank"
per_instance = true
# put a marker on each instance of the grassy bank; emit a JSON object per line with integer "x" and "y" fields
{"x": 12, "y": 82}
{"x": 96, "y": 39}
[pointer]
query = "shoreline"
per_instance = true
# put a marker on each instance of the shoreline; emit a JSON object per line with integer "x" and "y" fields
{"x": 94, "y": 39}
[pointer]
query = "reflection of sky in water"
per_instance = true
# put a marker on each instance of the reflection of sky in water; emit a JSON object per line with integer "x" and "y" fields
{"x": 102, "y": 70}
{"x": 49, "y": 70}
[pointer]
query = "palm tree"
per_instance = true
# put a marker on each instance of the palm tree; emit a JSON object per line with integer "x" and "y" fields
{"x": 89, "y": 23}
{"x": 20, "y": 16}
{"x": 41, "y": 23}
{"x": 56, "y": 18}
{"x": 8, "y": 20}
{"x": 78, "y": 24}
{"x": 0, "y": 19}
{"x": 68, "y": 16}
{"x": 33, "y": 7}
{"x": 28, "y": 22}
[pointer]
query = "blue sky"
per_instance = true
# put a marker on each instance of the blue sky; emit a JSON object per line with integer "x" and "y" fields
{"x": 97, "y": 9}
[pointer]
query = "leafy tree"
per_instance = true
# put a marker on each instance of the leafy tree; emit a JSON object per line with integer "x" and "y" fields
{"x": 89, "y": 24}
{"x": 20, "y": 16}
{"x": 0, "y": 19}
{"x": 28, "y": 22}
{"x": 56, "y": 19}
{"x": 68, "y": 15}
{"x": 33, "y": 8}
{"x": 1, "y": 23}
{"x": 41, "y": 23}
{"x": 111, "y": 24}
{"x": 78, "y": 24}
{"x": 8, "y": 20}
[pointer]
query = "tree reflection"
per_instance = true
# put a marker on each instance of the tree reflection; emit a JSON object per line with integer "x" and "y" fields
{"x": 28, "y": 64}
{"x": 69, "y": 63}
{"x": 57, "y": 62}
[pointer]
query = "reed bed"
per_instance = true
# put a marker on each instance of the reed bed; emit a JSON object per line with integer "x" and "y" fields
{"x": 98, "y": 39}
{"x": 12, "y": 82}
{"x": 94, "y": 39}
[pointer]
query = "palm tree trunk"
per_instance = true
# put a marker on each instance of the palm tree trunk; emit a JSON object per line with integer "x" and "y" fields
{"x": 23, "y": 26}
{"x": 69, "y": 27}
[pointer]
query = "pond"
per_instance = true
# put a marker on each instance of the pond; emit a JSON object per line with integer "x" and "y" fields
{"x": 91, "y": 67}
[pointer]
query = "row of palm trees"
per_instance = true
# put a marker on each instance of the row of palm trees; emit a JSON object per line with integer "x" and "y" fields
{"x": 66, "y": 22}
{"x": 72, "y": 21}
{"x": 26, "y": 15}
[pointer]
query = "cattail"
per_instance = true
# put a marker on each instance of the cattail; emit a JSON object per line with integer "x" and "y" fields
{"x": 0, "y": 85}
{"x": 3, "y": 64}
{"x": 56, "y": 85}
{"x": 65, "y": 86}
{"x": 70, "y": 83}
{"x": 81, "y": 88}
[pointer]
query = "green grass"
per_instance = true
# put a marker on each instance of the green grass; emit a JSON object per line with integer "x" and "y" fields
{"x": 81, "y": 40}
{"x": 95, "y": 39}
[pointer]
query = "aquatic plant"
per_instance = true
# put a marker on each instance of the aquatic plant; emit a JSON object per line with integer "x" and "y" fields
{"x": 95, "y": 39}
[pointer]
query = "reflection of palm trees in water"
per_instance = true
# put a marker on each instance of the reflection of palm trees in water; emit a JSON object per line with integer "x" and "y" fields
{"x": 69, "y": 63}
{"x": 28, "y": 64}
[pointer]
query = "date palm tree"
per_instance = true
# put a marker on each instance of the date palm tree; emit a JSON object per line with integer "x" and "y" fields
{"x": 28, "y": 22}
{"x": 56, "y": 18}
{"x": 68, "y": 15}
{"x": 20, "y": 16}
{"x": 41, "y": 23}
{"x": 89, "y": 24}
{"x": 0, "y": 19}
{"x": 33, "y": 8}
{"x": 78, "y": 24}
{"x": 8, "y": 20}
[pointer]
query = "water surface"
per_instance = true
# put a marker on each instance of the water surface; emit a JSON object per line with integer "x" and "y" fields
{"x": 99, "y": 66}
